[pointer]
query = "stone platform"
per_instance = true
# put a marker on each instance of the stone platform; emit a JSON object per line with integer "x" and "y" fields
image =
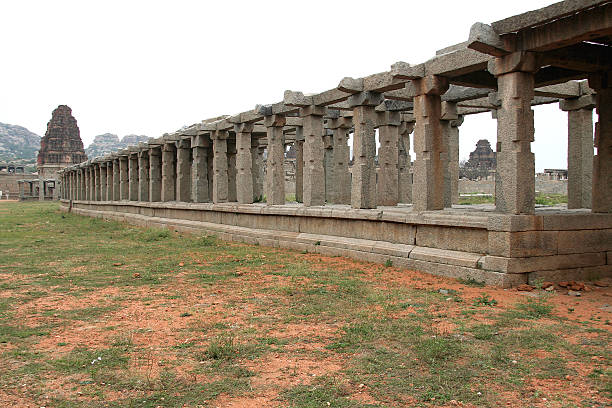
{"x": 471, "y": 242}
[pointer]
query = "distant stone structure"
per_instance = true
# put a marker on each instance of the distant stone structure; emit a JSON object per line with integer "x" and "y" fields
{"x": 481, "y": 163}
{"x": 60, "y": 147}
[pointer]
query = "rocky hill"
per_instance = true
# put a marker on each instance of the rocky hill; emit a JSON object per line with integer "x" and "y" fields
{"x": 108, "y": 143}
{"x": 17, "y": 143}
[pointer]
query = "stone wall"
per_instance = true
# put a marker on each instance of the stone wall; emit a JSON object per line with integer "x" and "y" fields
{"x": 8, "y": 183}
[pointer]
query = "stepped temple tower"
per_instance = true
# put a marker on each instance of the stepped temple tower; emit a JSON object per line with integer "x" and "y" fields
{"x": 61, "y": 146}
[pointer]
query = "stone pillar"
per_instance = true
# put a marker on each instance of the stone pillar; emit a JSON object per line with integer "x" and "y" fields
{"x": 91, "y": 183}
{"x": 328, "y": 167}
{"x": 184, "y": 170}
{"x": 342, "y": 177}
{"x": 231, "y": 170}
{"x": 388, "y": 157}
{"x": 244, "y": 163}
{"x": 116, "y": 179}
{"x": 199, "y": 169}
{"x": 102, "y": 167}
{"x": 155, "y": 174}
{"x": 220, "y": 179}
{"x": 109, "y": 181}
{"x": 257, "y": 169}
{"x": 429, "y": 146}
{"x": 363, "y": 185}
{"x": 79, "y": 184}
{"x": 168, "y": 172}
{"x": 515, "y": 175}
{"x": 133, "y": 177}
{"x": 275, "y": 171}
{"x": 98, "y": 174}
{"x": 313, "y": 180}
{"x": 450, "y": 138}
{"x": 602, "y": 161}
{"x": 404, "y": 162}
{"x": 298, "y": 146}
{"x": 143, "y": 175}
{"x": 123, "y": 178}
{"x": 579, "y": 150}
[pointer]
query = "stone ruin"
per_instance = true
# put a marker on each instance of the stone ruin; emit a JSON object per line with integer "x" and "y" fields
{"x": 61, "y": 146}
{"x": 481, "y": 162}
{"x": 209, "y": 176}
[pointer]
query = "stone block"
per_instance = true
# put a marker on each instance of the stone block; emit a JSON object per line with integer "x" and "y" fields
{"x": 571, "y": 242}
{"x": 580, "y": 221}
{"x": 522, "y": 244}
{"x": 588, "y": 273}
{"x": 458, "y": 239}
{"x": 445, "y": 256}
{"x": 514, "y": 223}
{"x": 538, "y": 263}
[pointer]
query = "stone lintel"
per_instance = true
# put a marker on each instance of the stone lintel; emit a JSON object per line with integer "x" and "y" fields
{"x": 294, "y": 122}
{"x": 172, "y": 137}
{"x": 403, "y": 70}
{"x": 584, "y": 102}
{"x": 275, "y": 109}
{"x": 184, "y": 144}
{"x": 365, "y": 99}
{"x": 570, "y": 89}
{"x": 457, "y": 63}
{"x": 394, "y": 106}
{"x": 483, "y": 38}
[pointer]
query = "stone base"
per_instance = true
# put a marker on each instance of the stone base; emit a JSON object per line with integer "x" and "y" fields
{"x": 502, "y": 250}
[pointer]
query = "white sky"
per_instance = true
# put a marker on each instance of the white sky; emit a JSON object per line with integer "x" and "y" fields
{"x": 149, "y": 67}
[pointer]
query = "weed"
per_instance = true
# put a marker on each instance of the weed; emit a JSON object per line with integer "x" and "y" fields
{"x": 388, "y": 263}
{"x": 484, "y": 300}
{"x": 535, "y": 308}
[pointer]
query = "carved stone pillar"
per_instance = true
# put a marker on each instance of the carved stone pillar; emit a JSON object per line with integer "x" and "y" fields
{"x": 133, "y": 176}
{"x": 116, "y": 180}
{"x": 143, "y": 175}
{"x": 602, "y": 161}
{"x": 515, "y": 175}
{"x": 109, "y": 180}
{"x": 220, "y": 179}
{"x": 244, "y": 163}
{"x": 579, "y": 150}
{"x": 328, "y": 167}
{"x": 275, "y": 171}
{"x": 155, "y": 176}
{"x": 124, "y": 184}
{"x": 313, "y": 180}
{"x": 102, "y": 167}
{"x": 184, "y": 170}
{"x": 404, "y": 163}
{"x": 257, "y": 169}
{"x": 342, "y": 177}
{"x": 429, "y": 146}
{"x": 388, "y": 156}
{"x": 231, "y": 170}
{"x": 168, "y": 172}
{"x": 199, "y": 169}
{"x": 450, "y": 128}
{"x": 363, "y": 185}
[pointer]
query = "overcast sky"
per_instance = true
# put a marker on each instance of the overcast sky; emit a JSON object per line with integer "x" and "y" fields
{"x": 150, "y": 67}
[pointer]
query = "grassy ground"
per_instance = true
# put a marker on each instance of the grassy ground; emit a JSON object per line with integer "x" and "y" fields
{"x": 101, "y": 314}
{"x": 541, "y": 198}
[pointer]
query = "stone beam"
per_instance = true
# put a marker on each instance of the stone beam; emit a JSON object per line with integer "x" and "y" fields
{"x": 381, "y": 82}
{"x": 483, "y": 38}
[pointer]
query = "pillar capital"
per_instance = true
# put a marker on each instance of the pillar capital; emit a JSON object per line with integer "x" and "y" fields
{"x": 312, "y": 110}
{"x": 184, "y": 143}
{"x": 275, "y": 121}
{"x": 457, "y": 122}
{"x": 342, "y": 122}
{"x": 220, "y": 134}
{"x": 573, "y": 104}
{"x": 366, "y": 98}
{"x": 388, "y": 118}
{"x": 521, "y": 61}
{"x": 243, "y": 127}
{"x": 448, "y": 111}
{"x": 430, "y": 85}
{"x": 406, "y": 128}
